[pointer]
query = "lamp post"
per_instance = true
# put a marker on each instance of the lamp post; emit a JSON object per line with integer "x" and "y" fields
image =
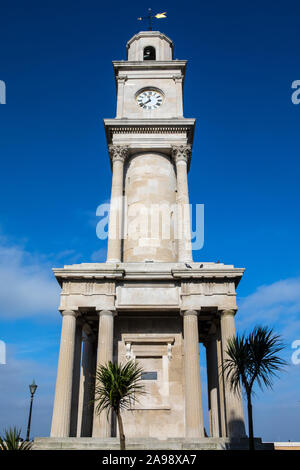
{"x": 32, "y": 389}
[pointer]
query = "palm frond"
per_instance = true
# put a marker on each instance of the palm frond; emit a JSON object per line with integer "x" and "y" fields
{"x": 253, "y": 358}
{"x": 236, "y": 363}
{"x": 117, "y": 386}
{"x": 12, "y": 440}
{"x": 264, "y": 347}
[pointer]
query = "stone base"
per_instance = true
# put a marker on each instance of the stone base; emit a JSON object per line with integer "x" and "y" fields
{"x": 113, "y": 443}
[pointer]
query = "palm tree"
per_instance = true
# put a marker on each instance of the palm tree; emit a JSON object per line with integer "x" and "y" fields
{"x": 116, "y": 389}
{"x": 251, "y": 359}
{"x": 12, "y": 440}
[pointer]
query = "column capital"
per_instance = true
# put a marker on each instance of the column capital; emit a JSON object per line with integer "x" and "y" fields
{"x": 118, "y": 152}
{"x": 178, "y": 78}
{"x": 122, "y": 78}
{"x": 228, "y": 312}
{"x": 72, "y": 313}
{"x": 186, "y": 313}
{"x": 109, "y": 313}
{"x": 181, "y": 153}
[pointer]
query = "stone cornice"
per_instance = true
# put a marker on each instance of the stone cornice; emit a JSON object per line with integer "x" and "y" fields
{"x": 148, "y": 338}
{"x": 138, "y": 271}
{"x": 149, "y": 130}
{"x": 149, "y": 126}
{"x": 147, "y": 34}
{"x": 123, "y": 67}
{"x": 162, "y": 122}
{"x": 218, "y": 274}
{"x": 149, "y": 64}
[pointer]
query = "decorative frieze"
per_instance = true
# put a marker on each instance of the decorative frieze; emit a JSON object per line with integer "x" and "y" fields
{"x": 207, "y": 288}
{"x": 91, "y": 287}
{"x": 149, "y": 130}
{"x": 110, "y": 288}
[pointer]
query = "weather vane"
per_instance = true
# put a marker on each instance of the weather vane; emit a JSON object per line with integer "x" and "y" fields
{"x": 150, "y": 17}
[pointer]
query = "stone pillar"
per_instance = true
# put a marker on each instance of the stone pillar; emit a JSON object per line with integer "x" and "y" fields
{"x": 61, "y": 419}
{"x": 87, "y": 385}
{"x": 102, "y": 425}
{"x": 233, "y": 403}
{"x": 181, "y": 155}
{"x": 76, "y": 378}
{"x": 213, "y": 387}
{"x": 120, "y": 95}
{"x": 178, "y": 81}
{"x": 193, "y": 402}
{"x": 118, "y": 155}
{"x": 223, "y": 430}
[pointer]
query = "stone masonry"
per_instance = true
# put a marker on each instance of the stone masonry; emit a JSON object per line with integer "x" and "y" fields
{"x": 149, "y": 301}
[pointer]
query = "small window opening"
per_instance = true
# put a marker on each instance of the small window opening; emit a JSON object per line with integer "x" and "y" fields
{"x": 149, "y": 53}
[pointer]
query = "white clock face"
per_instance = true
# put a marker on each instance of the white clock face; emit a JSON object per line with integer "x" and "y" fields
{"x": 149, "y": 99}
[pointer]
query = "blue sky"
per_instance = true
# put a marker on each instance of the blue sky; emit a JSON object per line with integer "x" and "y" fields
{"x": 55, "y": 58}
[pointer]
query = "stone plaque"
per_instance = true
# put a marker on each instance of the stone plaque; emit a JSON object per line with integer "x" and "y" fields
{"x": 159, "y": 296}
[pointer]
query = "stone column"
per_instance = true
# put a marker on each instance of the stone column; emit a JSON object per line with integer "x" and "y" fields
{"x": 213, "y": 387}
{"x": 87, "y": 385}
{"x": 233, "y": 403}
{"x": 193, "y": 401}
{"x": 120, "y": 95}
{"x": 102, "y": 425}
{"x": 181, "y": 155}
{"x": 61, "y": 419}
{"x": 76, "y": 378}
{"x": 178, "y": 81}
{"x": 223, "y": 430}
{"x": 118, "y": 155}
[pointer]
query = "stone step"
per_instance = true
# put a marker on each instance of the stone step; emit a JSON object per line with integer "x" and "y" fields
{"x": 93, "y": 443}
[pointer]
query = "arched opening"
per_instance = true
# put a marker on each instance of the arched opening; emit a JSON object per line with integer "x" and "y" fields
{"x": 149, "y": 53}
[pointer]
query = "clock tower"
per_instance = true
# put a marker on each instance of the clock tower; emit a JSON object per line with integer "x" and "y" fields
{"x": 149, "y": 302}
{"x": 155, "y": 142}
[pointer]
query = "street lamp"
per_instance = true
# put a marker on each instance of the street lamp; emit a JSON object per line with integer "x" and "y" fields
{"x": 32, "y": 389}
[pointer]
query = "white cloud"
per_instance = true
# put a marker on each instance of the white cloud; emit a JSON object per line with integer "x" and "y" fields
{"x": 16, "y": 376}
{"x": 27, "y": 285}
{"x": 99, "y": 256}
{"x": 276, "y": 304}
